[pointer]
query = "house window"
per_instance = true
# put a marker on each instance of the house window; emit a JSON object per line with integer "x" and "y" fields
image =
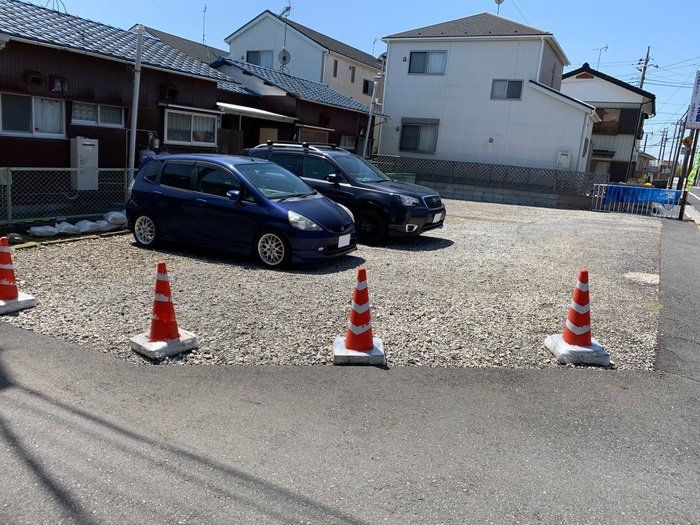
{"x": 352, "y": 74}
{"x": 419, "y": 135}
{"x": 428, "y": 62}
{"x": 190, "y": 128}
{"x": 260, "y": 58}
{"x": 25, "y": 115}
{"x": 506, "y": 89}
{"x": 368, "y": 87}
{"x": 335, "y": 69}
{"x": 348, "y": 142}
{"x": 609, "y": 121}
{"x": 84, "y": 113}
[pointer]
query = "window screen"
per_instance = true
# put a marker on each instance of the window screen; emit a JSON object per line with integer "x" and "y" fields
{"x": 506, "y": 89}
{"x": 16, "y": 113}
{"x": 177, "y": 176}
{"x": 260, "y": 58}
{"x": 421, "y": 138}
{"x": 48, "y": 116}
{"x": 84, "y": 112}
{"x": 111, "y": 116}
{"x": 428, "y": 62}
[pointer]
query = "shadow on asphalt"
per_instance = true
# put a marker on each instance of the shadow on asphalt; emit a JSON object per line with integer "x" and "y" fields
{"x": 177, "y": 464}
{"x": 332, "y": 265}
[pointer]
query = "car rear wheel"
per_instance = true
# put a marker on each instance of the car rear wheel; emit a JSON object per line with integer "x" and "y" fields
{"x": 371, "y": 227}
{"x": 272, "y": 250}
{"x": 145, "y": 231}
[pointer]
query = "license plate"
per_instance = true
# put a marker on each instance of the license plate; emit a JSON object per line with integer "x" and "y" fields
{"x": 343, "y": 241}
{"x": 437, "y": 218}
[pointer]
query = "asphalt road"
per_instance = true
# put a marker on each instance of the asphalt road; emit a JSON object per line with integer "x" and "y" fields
{"x": 87, "y": 438}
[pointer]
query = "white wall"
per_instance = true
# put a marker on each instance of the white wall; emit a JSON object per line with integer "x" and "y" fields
{"x": 598, "y": 90}
{"x": 343, "y": 82}
{"x": 526, "y": 132}
{"x": 267, "y": 33}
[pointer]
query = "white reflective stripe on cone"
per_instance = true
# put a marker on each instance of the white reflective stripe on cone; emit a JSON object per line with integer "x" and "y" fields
{"x": 360, "y": 308}
{"x": 163, "y": 298}
{"x": 7, "y": 283}
{"x": 5, "y": 249}
{"x": 580, "y": 309}
{"x": 6, "y": 267}
{"x": 582, "y": 286}
{"x": 578, "y": 330}
{"x": 357, "y": 330}
{"x": 162, "y": 277}
{"x": 361, "y": 285}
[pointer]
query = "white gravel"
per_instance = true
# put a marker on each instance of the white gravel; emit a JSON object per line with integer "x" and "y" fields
{"x": 482, "y": 292}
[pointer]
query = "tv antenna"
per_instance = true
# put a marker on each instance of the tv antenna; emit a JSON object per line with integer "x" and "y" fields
{"x": 600, "y": 51}
{"x": 287, "y": 10}
{"x": 498, "y": 6}
{"x": 57, "y": 5}
{"x": 204, "y": 22}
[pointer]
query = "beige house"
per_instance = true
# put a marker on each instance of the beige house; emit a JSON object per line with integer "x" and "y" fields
{"x": 312, "y": 55}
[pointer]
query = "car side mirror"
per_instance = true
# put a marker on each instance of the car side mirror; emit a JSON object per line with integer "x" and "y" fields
{"x": 234, "y": 195}
{"x": 333, "y": 178}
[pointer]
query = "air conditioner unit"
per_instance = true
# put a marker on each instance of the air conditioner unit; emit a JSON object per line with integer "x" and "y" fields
{"x": 84, "y": 162}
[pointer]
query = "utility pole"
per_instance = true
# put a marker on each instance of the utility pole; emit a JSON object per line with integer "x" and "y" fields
{"x": 646, "y": 137}
{"x": 645, "y": 64}
{"x": 664, "y": 138}
{"x": 672, "y": 149}
{"x": 366, "y": 149}
{"x": 677, "y": 152}
{"x": 140, "y": 30}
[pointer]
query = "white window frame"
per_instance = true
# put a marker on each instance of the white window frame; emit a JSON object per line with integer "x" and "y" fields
{"x": 191, "y": 143}
{"x": 427, "y": 51}
{"x": 33, "y": 133}
{"x": 259, "y": 51}
{"x": 99, "y": 122}
{"x": 508, "y": 81}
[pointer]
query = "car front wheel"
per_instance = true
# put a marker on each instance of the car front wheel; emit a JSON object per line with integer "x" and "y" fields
{"x": 371, "y": 227}
{"x": 145, "y": 231}
{"x": 272, "y": 250}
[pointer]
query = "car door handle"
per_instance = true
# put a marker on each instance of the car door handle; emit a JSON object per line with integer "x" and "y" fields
{"x": 200, "y": 202}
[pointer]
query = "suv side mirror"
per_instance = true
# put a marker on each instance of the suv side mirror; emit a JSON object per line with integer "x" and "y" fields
{"x": 333, "y": 178}
{"x": 234, "y": 195}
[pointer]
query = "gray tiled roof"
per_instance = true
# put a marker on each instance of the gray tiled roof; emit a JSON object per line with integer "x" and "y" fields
{"x": 300, "y": 87}
{"x": 332, "y": 44}
{"x": 484, "y": 24}
{"x": 202, "y": 52}
{"x": 234, "y": 87}
{"x": 44, "y": 25}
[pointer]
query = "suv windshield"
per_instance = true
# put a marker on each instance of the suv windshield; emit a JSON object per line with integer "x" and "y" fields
{"x": 359, "y": 169}
{"x": 274, "y": 181}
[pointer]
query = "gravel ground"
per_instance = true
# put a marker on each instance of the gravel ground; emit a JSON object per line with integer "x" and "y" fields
{"x": 482, "y": 292}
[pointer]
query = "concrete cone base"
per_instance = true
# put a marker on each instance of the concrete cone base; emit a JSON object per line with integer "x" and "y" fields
{"x": 161, "y": 349}
{"x": 343, "y": 356}
{"x": 22, "y": 302}
{"x": 577, "y": 355}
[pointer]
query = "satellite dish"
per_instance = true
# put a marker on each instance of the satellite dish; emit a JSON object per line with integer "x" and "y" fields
{"x": 499, "y": 2}
{"x": 285, "y": 57}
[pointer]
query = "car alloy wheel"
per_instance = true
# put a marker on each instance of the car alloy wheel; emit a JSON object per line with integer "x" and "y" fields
{"x": 371, "y": 228}
{"x": 271, "y": 249}
{"x": 145, "y": 230}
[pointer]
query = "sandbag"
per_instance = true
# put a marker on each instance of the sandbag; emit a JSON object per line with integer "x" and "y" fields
{"x": 66, "y": 228}
{"x": 115, "y": 217}
{"x": 106, "y": 226}
{"x": 87, "y": 227}
{"x": 42, "y": 231}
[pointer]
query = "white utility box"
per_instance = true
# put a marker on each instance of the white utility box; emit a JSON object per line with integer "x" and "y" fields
{"x": 83, "y": 160}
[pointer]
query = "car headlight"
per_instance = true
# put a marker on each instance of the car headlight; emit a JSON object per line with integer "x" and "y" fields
{"x": 407, "y": 201}
{"x": 302, "y": 223}
{"x": 347, "y": 210}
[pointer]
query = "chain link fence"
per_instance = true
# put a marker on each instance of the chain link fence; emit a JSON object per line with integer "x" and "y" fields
{"x": 34, "y": 195}
{"x": 519, "y": 178}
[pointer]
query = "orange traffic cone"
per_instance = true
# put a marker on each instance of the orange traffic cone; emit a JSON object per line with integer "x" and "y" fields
{"x": 11, "y": 299}
{"x": 575, "y": 344}
{"x": 358, "y": 346}
{"x": 164, "y": 338}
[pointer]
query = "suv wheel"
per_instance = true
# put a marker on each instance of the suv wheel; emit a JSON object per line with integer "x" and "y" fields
{"x": 371, "y": 227}
{"x": 272, "y": 249}
{"x": 145, "y": 231}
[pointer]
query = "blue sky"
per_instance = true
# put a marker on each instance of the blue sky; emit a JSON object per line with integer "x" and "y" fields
{"x": 580, "y": 26}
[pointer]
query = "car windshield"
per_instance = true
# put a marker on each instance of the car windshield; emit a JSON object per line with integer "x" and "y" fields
{"x": 274, "y": 181}
{"x": 359, "y": 169}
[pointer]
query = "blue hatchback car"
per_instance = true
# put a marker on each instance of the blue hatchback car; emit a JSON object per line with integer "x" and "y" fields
{"x": 238, "y": 204}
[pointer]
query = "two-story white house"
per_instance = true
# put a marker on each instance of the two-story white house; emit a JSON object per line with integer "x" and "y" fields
{"x": 313, "y": 55}
{"x": 482, "y": 89}
{"x": 622, "y": 109}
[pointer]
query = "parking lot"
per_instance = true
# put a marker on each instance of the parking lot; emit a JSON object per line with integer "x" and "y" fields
{"x": 482, "y": 292}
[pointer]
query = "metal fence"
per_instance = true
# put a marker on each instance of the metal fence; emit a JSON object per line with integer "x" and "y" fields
{"x": 539, "y": 180}
{"x": 637, "y": 200}
{"x": 33, "y": 195}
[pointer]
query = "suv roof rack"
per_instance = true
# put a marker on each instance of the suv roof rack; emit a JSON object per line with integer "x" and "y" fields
{"x": 316, "y": 146}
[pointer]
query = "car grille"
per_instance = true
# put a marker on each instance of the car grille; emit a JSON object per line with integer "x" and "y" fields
{"x": 342, "y": 228}
{"x": 433, "y": 201}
